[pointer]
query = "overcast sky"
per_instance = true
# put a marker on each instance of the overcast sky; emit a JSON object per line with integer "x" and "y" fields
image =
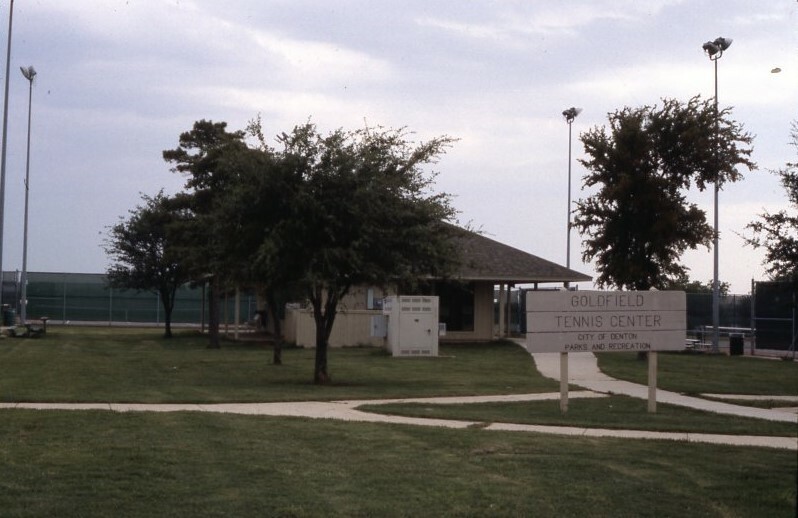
{"x": 118, "y": 81}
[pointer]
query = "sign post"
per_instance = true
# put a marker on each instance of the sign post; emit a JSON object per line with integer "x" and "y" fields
{"x": 606, "y": 321}
{"x": 652, "y": 382}
{"x": 563, "y": 382}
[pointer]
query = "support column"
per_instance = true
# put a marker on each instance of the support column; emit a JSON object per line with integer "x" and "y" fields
{"x": 508, "y": 309}
{"x": 501, "y": 311}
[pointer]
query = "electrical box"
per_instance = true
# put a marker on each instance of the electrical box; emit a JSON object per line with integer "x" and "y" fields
{"x": 379, "y": 326}
{"x": 412, "y": 325}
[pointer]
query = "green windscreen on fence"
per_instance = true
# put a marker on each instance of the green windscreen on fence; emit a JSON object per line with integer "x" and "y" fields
{"x": 85, "y": 297}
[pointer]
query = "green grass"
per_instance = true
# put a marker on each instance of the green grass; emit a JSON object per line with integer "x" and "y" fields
{"x": 138, "y": 365}
{"x": 706, "y": 373}
{"x": 100, "y": 463}
{"x": 615, "y": 412}
{"x": 193, "y": 464}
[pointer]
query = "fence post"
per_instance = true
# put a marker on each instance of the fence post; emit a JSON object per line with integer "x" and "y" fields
{"x": 753, "y": 317}
{"x": 793, "y": 324}
{"x": 110, "y": 306}
{"x": 63, "y": 308}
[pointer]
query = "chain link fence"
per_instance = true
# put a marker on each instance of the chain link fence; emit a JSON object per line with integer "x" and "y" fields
{"x": 84, "y": 297}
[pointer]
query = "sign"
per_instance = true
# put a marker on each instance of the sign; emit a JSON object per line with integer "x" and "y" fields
{"x": 603, "y": 321}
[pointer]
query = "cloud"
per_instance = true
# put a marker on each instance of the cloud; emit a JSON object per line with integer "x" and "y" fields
{"x": 319, "y": 63}
{"x": 534, "y": 19}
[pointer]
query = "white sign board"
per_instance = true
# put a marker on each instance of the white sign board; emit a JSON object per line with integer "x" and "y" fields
{"x": 599, "y": 321}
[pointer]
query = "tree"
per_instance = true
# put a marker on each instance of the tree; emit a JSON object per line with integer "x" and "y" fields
{"x": 777, "y": 232}
{"x": 638, "y": 223}
{"x": 258, "y": 200}
{"x": 321, "y": 214}
{"x": 207, "y": 154}
{"x": 144, "y": 255}
{"x": 361, "y": 212}
{"x": 683, "y": 283}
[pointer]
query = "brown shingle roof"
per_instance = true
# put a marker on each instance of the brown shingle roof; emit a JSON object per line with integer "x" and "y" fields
{"x": 485, "y": 259}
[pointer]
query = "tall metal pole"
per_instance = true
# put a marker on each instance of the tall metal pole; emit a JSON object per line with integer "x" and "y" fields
{"x": 715, "y": 240}
{"x": 714, "y": 50}
{"x": 29, "y": 74}
{"x": 569, "y": 114}
{"x": 568, "y": 243}
{"x": 4, "y": 145}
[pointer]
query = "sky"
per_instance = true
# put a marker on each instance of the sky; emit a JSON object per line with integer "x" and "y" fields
{"x": 118, "y": 81}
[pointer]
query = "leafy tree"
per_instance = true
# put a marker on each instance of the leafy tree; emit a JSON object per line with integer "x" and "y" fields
{"x": 259, "y": 200}
{"x": 777, "y": 232}
{"x": 207, "y": 154}
{"x": 683, "y": 283}
{"x": 361, "y": 213}
{"x": 321, "y": 214}
{"x": 638, "y": 223}
{"x": 144, "y": 254}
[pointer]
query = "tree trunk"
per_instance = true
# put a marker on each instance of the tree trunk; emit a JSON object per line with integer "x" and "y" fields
{"x": 325, "y": 308}
{"x": 168, "y": 303}
{"x": 167, "y": 323}
{"x": 320, "y": 374}
{"x": 278, "y": 329}
{"x": 324, "y": 316}
{"x": 213, "y": 315}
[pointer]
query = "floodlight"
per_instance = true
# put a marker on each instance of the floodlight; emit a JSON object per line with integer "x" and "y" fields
{"x": 28, "y": 72}
{"x": 571, "y": 113}
{"x": 714, "y": 49}
{"x": 710, "y": 48}
{"x": 723, "y": 43}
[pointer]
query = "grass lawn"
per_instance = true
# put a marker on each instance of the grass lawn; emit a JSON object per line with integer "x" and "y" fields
{"x": 96, "y": 463}
{"x": 707, "y": 373}
{"x": 616, "y": 412}
{"x": 73, "y": 364}
{"x": 99, "y": 463}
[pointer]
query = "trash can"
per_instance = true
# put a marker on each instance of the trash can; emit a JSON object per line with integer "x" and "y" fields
{"x": 9, "y": 317}
{"x": 736, "y": 345}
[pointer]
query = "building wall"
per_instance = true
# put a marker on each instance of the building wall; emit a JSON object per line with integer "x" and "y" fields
{"x": 353, "y": 326}
{"x": 483, "y": 317}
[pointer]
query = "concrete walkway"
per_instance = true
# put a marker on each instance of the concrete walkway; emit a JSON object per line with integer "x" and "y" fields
{"x": 583, "y": 371}
{"x": 348, "y": 411}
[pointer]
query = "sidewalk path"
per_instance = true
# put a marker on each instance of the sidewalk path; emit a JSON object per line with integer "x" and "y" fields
{"x": 583, "y": 371}
{"x": 348, "y": 411}
{"x": 341, "y": 410}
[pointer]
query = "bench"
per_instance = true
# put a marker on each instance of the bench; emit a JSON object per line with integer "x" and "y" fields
{"x": 726, "y": 331}
{"x": 28, "y": 330}
{"x": 694, "y": 344}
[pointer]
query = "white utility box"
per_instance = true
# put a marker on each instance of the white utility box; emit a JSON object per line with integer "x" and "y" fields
{"x": 412, "y": 325}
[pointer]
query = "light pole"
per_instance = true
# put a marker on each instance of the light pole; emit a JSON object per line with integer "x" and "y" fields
{"x": 714, "y": 49}
{"x": 29, "y": 74}
{"x": 3, "y": 148}
{"x": 569, "y": 114}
